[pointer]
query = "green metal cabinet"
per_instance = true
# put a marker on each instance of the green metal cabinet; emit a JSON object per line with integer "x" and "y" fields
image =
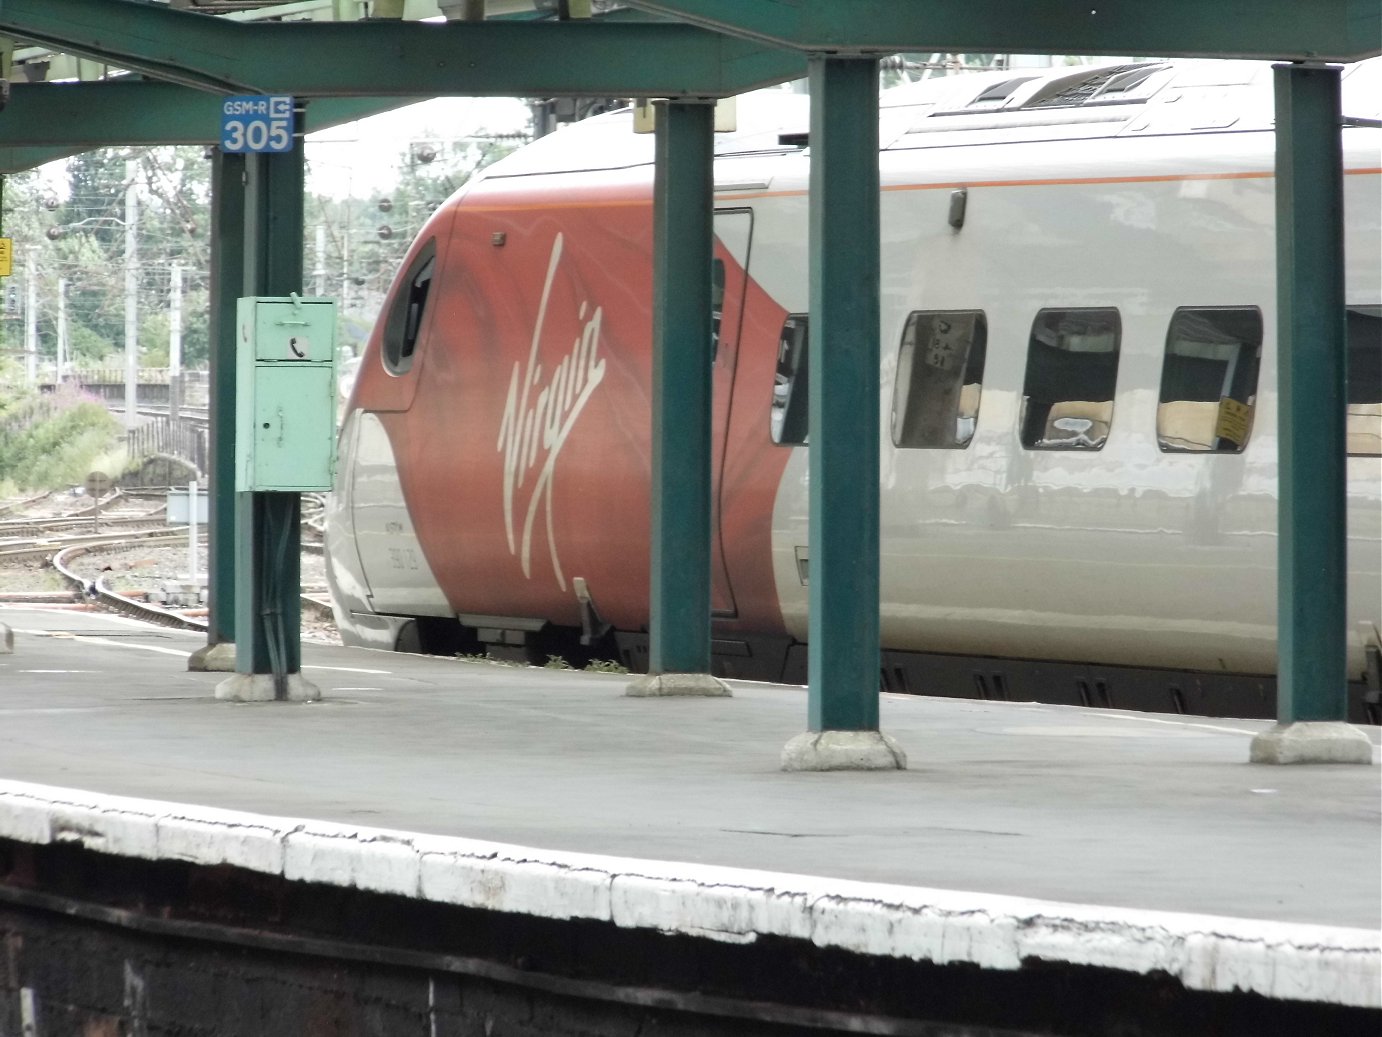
{"x": 285, "y": 432}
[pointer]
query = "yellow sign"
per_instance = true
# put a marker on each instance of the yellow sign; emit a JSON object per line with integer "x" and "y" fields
{"x": 6, "y": 257}
{"x": 1235, "y": 419}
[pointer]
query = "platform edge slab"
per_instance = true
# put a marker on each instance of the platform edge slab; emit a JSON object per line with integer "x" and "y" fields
{"x": 1286, "y": 961}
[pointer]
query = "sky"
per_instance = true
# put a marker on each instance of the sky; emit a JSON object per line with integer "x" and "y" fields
{"x": 359, "y": 158}
{"x": 355, "y": 159}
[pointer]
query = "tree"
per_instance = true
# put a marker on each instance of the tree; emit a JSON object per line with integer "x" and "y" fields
{"x": 80, "y": 240}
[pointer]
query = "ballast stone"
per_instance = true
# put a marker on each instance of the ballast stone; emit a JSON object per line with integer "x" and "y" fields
{"x": 1312, "y": 742}
{"x": 843, "y": 751}
{"x": 661, "y": 685}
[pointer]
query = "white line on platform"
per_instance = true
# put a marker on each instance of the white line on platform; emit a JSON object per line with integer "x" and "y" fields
{"x": 96, "y": 639}
{"x": 351, "y": 669}
{"x": 129, "y": 644}
{"x": 1174, "y": 723}
{"x": 1376, "y": 750}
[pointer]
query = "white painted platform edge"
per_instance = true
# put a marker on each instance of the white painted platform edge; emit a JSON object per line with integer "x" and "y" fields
{"x": 1280, "y": 960}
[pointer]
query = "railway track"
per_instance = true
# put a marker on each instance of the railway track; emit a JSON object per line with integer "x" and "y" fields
{"x": 195, "y": 415}
{"x": 38, "y": 539}
{"x": 22, "y": 504}
{"x": 54, "y": 540}
{"x": 32, "y": 536}
{"x": 97, "y": 590}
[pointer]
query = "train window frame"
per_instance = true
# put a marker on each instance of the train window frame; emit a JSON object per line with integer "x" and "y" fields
{"x": 403, "y": 326}
{"x": 1363, "y": 399}
{"x": 909, "y": 428}
{"x": 788, "y": 417}
{"x": 1041, "y": 364}
{"x": 1235, "y": 407}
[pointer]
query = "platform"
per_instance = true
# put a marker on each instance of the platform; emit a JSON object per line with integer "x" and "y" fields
{"x": 1105, "y": 818}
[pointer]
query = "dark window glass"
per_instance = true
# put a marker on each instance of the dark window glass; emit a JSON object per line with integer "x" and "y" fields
{"x": 1072, "y": 368}
{"x": 1209, "y": 379}
{"x": 1364, "y": 428}
{"x": 405, "y": 316}
{"x": 788, "y": 419}
{"x": 717, "y": 305}
{"x": 940, "y": 368}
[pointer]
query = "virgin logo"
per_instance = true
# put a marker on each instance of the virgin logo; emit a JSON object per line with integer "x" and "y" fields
{"x": 538, "y": 418}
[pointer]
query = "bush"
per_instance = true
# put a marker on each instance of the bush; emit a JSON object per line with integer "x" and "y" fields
{"x": 51, "y": 441}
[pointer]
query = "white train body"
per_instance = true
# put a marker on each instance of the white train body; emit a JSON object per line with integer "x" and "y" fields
{"x": 1159, "y": 207}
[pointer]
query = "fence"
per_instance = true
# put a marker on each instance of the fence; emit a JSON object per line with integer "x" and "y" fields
{"x": 182, "y": 439}
{"x": 154, "y": 386}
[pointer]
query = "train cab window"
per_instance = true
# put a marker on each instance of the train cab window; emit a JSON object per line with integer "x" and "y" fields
{"x": 1209, "y": 379}
{"x": 787, "y": 422}
{"x": 1072, "y": 369}
{"x": 405, "y": 316}
{"x": 1364, "y": 422}
{"x": 940, "y": 368}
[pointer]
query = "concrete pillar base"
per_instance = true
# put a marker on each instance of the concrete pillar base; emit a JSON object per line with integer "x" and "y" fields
{"x": 1312, "y": 742}
{"x": 217, "y": 658}
{"x": 6, "y": 639}
{"x": 259, "y": 687}
{"x": 654, "y": 685}
{"x": 843, "y": 751}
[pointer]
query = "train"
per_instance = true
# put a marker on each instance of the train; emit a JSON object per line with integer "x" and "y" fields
{"x": 1078, "y": 396}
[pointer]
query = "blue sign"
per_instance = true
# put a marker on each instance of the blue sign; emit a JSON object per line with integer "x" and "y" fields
{"x": 257, "y": 122}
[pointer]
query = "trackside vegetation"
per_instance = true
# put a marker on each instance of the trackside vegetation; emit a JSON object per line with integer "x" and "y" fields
{"x": 48, "y": 441}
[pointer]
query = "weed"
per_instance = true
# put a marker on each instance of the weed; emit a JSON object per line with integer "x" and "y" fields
{"x": 605, "y": 666}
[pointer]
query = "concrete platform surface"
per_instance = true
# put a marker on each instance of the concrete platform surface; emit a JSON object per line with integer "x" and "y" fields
{"x": 1081, "y": 806}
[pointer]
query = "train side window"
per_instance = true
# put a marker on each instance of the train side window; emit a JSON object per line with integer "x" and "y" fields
{"x": 717, "y": 305}
{"x": 1209, "y": 379}
{"x": 787, "y": 422}
{"x": 405, "y": 316}
{"x": 1072, "y": 370}
{"x": 940, "y": 369}
{"x": 1364, "y": 422}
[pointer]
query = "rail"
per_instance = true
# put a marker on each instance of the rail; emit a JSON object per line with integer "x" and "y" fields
{"x": 98, "y": 592}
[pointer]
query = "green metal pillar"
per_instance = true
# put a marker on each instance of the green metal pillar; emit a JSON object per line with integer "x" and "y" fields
{"x": 268, "y": 558}
{"x": 679, "y": 628}
{"x": 843, "y": 657}
{"x": 1312, "y": 682}
{"x": 683, "y": 228}
{"x": 843, "y": 355}
{"x": 1312, "y": 590}
{"x": 227, "y": 284}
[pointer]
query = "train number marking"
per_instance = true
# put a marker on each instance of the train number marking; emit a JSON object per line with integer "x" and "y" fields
{"x": 538, "y": 419}
{"x": 403, "y": 558}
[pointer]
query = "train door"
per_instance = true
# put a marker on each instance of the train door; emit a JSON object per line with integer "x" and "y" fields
{"x": 396, "y": 575}
{"x": 733, "y": 231}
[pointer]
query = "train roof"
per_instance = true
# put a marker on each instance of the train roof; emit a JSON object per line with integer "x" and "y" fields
{"x": 1138, "y": 98}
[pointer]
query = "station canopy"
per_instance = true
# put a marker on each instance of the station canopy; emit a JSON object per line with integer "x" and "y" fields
{"x": 83, "y": 74}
